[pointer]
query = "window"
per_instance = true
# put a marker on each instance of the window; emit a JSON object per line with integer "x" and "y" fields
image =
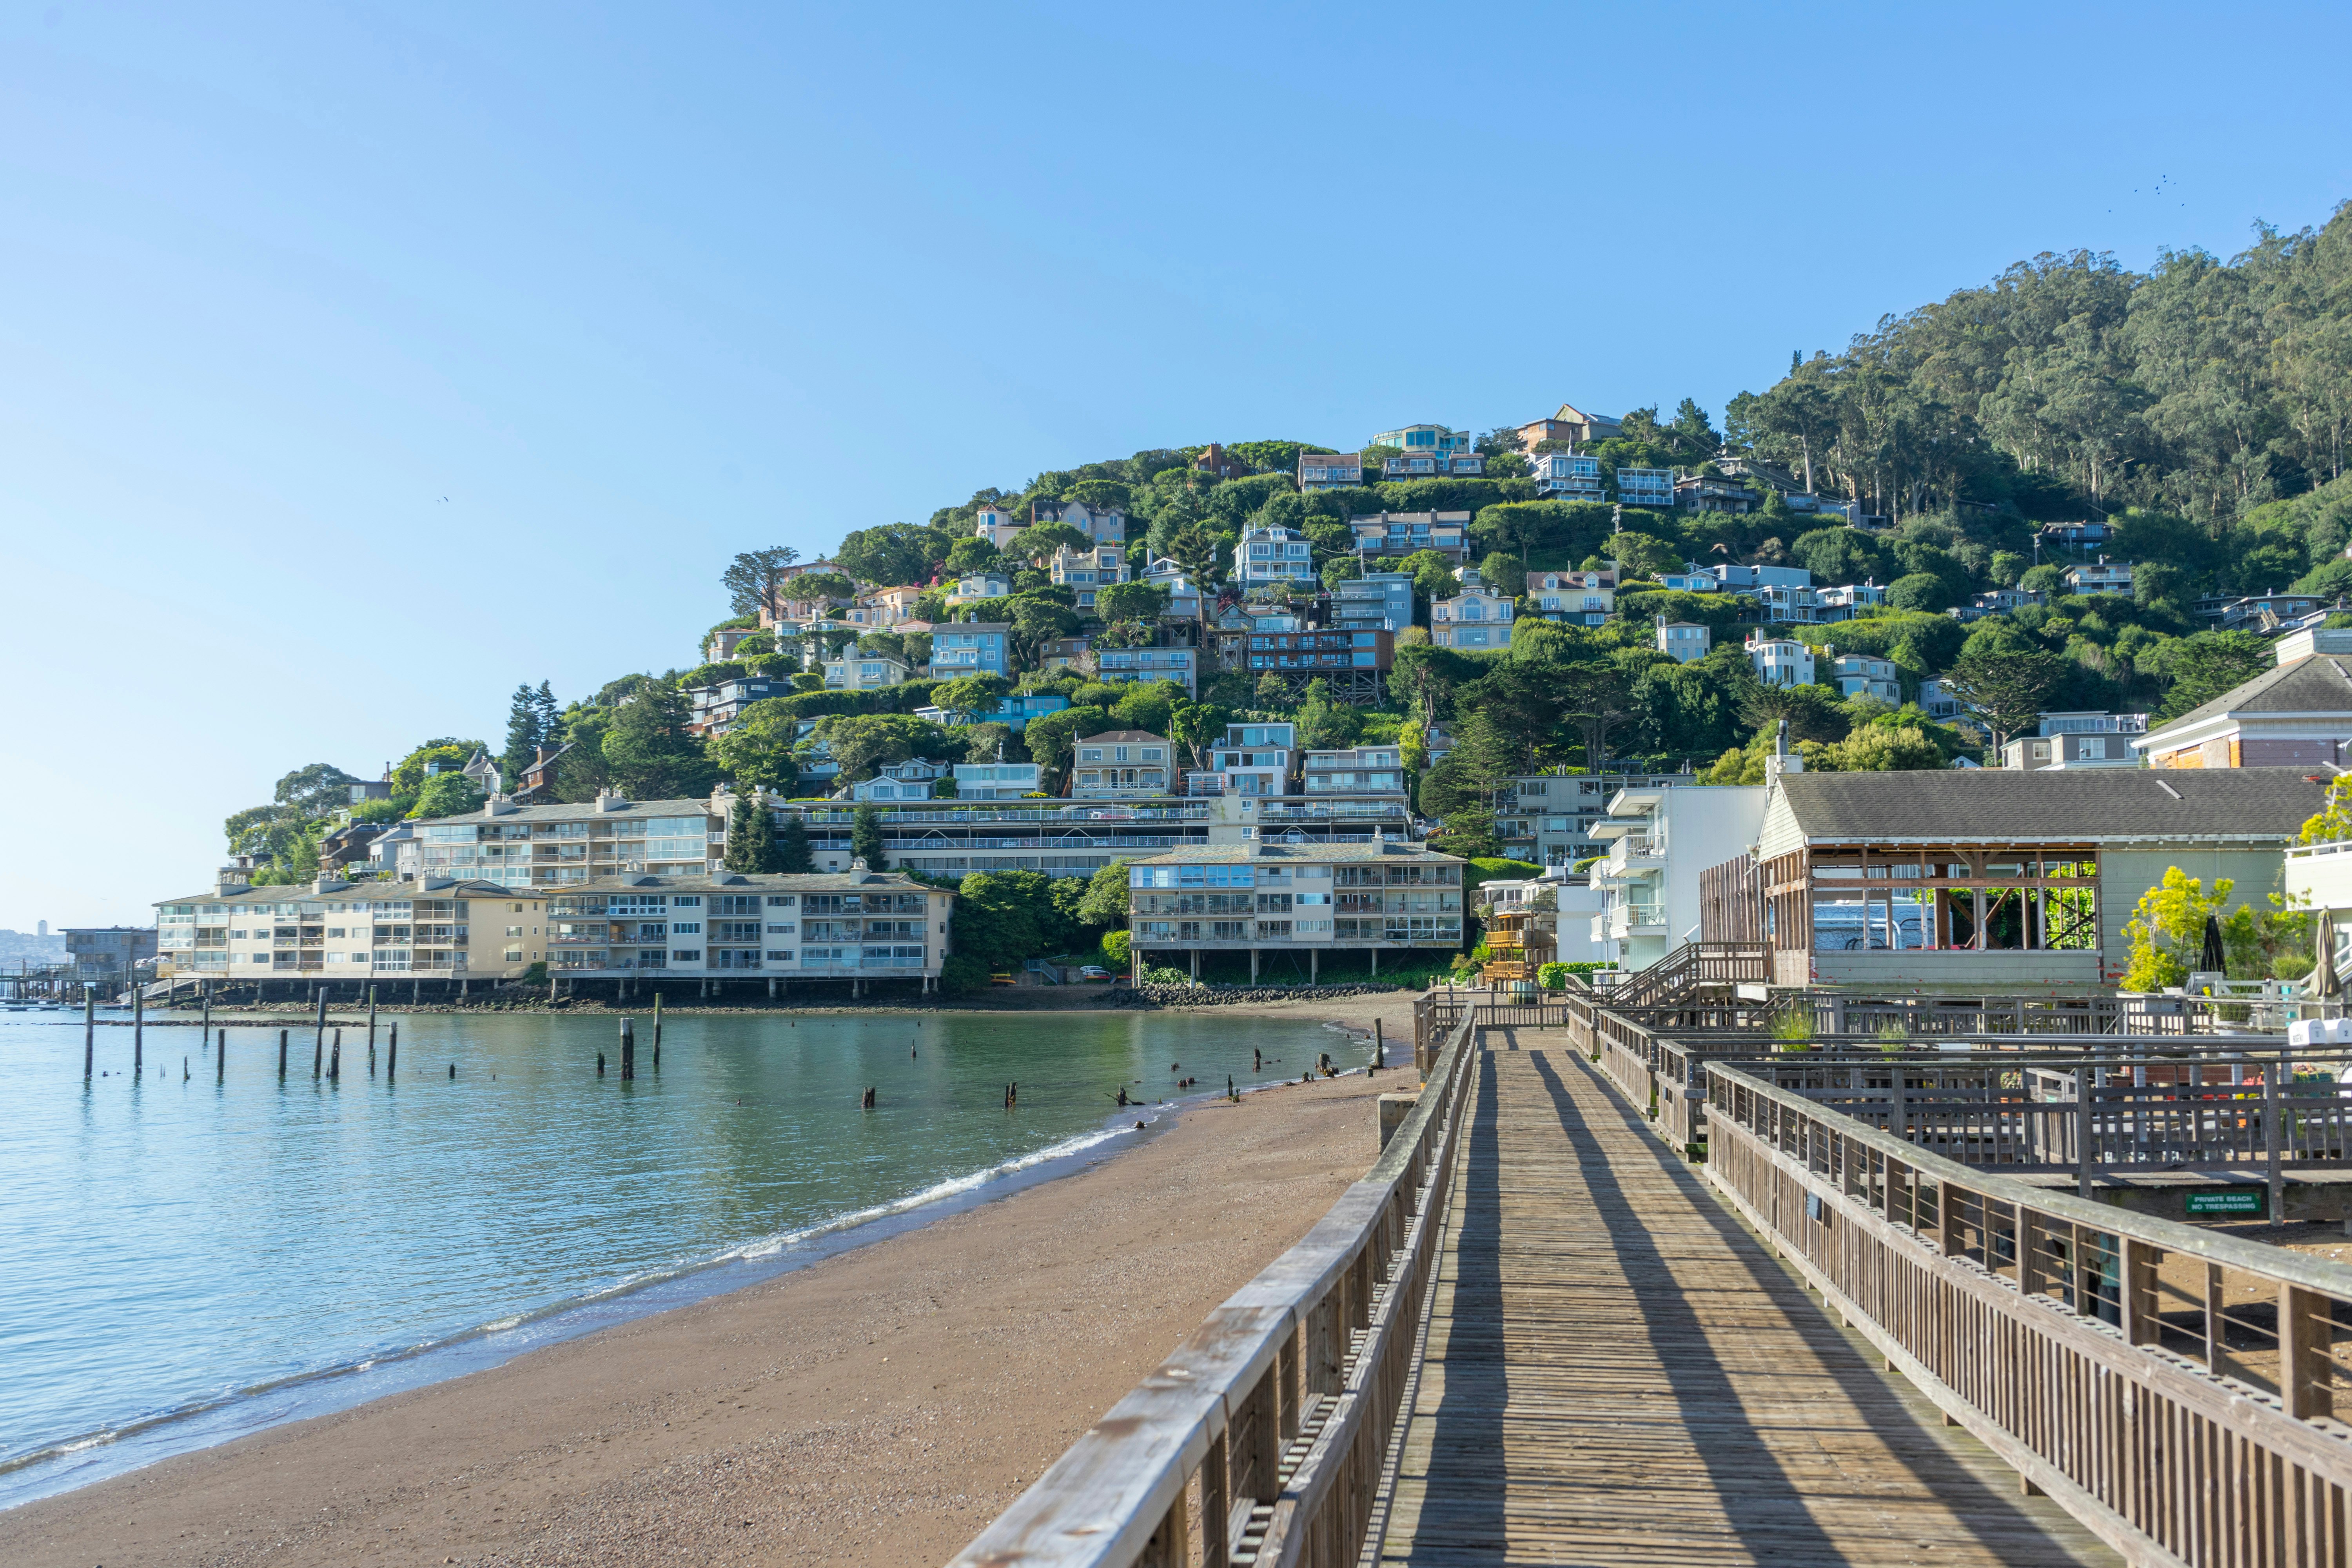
{"x": 514, "y": 932}
{"x": 685, "y": 928}
{"x": 780, "y": 955}
{"x": 685, "y": 955}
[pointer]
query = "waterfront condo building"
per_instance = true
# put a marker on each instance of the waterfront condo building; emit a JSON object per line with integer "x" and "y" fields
{"x": 856, "y": 925}
{"x": 330, "y": 929}
{"x": 1294, "y": 902}
{"x": 550, "y": 846}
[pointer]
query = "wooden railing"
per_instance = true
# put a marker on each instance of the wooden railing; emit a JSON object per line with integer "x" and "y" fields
{"x": 2174, "y": 1388}
{"x": 1271, "y": 1425}
{"x": 1692, "y": 966}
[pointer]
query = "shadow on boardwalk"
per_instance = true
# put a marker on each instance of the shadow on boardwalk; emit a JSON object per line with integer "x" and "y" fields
{"x": 1619, "y": 1372}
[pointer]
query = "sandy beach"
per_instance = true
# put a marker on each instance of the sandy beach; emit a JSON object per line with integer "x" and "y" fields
{"x": 876, "y": 1408}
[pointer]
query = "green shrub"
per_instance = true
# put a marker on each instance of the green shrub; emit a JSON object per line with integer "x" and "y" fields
{"x": 1551, "y": 976}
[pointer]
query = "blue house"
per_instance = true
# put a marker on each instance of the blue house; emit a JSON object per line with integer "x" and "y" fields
{"x": 970, "y": 647}
{"x": 1014, "y": 711}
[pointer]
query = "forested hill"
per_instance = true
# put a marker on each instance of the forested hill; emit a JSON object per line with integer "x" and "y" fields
{"x": 2202, "y": 387}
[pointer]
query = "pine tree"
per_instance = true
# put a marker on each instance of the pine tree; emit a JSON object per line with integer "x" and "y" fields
{"x": 524, "y": 734}
{"x": 551, "y": 716}
{"x": 750, "y": 837}
{"x": 866, "y": 836}
{"x": 793, "y": 849}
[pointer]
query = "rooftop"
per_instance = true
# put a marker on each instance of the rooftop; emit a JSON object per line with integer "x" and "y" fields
{"x": 2321, "y": 683}
{"x": 1995, "y": 806}
{"x": 1317, "y": 854}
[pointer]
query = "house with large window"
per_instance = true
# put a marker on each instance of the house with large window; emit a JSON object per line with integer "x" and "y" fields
{"x": 1377, "y": 601}
{"x": 1271, "y": 553}
{"x": 1330, "y": 471}
{"x": 1780, "y": 661}
{"x": 1401, "y": 534}
{"x": 970, "y": 647}
{"x": 1102, "y": 524}
{"x": 1659, "y": 841}
{"x": 1570, "y": 423}
{"x": 1084, "y": 571}
{"x": 1578, "y": 598}
{"x": 1433, "y": 465}
{"x": 1253, "y": 760}
{"x": 1646, "y": 487}
{"x": 1866, "y": 675}
{"x": 1292, "y": 905}
{"x": 916, "y": 778}
{"x": 2102, "y": 576}
{"x": 1988, "y": 880}
{"x": 1181, "y": 664}
{"x": 1564, "y": 475}
{"x": 1122, "y": 764}
{"x": 856, "y": 671}
{"x": 1478, "y": 617}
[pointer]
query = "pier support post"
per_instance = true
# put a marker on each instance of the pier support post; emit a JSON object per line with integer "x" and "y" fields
{"x": 138, "y": 1027}
{"x": 370, "y": 1030}
{"x": 628, "y": 1050}
{"x": 772, "y": 987}
{"x": 88, "y": 1029}
{"x": 205, "y": 996}
{"x": 656, "y": 1031}
{"x": 391, "y": 1055}
{"x": 220, "y": 1059}
{"x": 1314, "y": 966}
{"x": 335, "y": 1066}
{"x": 1196, "y": 966}
{"x": 281, "y": 1054}
{"x": 1252, "y": 966}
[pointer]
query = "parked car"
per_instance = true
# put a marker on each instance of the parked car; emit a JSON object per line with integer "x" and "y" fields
{"x": 1095, "y": 972}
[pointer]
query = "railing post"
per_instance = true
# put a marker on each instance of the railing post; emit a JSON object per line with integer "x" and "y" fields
{"x": 2137, "y": 1279}
{"x": 2306, "y": 1324}
{"x": 1169, "y": 1546}
{"x": 2275, "y": 1126}
{"x": 1216, "y": 1504}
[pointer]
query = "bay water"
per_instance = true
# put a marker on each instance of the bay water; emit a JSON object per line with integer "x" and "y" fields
{"x": 183, "y": 1260}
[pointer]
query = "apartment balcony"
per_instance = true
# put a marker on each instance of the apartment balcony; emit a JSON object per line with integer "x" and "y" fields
{"x": 1629, "y": 919}
{"x": 1634, "y": 855}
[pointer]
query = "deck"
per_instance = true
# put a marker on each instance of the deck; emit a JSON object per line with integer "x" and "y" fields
{"x": 1620, "y": 1371}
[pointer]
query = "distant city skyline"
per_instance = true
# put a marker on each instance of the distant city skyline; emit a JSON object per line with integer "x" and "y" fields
{"x": 385, "y": 359}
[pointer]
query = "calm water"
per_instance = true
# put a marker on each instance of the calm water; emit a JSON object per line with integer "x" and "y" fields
{"x": 185, "y": 1262}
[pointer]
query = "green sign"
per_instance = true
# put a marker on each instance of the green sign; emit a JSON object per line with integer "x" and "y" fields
{"x": 2229, "y": 1200}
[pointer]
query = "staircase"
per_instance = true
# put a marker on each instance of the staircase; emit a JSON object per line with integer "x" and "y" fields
{"x": 1680, "y": 975}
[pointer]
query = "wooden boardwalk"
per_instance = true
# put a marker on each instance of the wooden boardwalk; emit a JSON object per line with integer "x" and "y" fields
{"x": 1619, "y": 1372}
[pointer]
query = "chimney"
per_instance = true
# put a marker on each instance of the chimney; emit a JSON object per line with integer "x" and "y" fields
{"x": 232, "y": 879}
{"x": 1781, "y": 761}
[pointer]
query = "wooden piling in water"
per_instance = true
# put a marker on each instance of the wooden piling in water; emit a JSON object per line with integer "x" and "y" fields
{"x": 391, "y": 1055}
{"x": 656, "y": 1031}
{"x": 335, "y": 1068}
{"x": 204, "y": 994}
{"x": 628, "y": 1050}
{"x": 220, "y": 1059}
{"x": 599, "y": 1064}
{"x": 138, "y": 1028}
{"x": 89, "y": 1030}
{"x": 318, "y": 1047}
{"x": 370, "y": 1031}
{"x": 1380, "y": 1047}
{"x": 281, "y": 1054}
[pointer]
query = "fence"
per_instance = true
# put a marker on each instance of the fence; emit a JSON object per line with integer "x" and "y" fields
{"x": 1272, "y": 1423}
{"x": 2174, "y": 1388}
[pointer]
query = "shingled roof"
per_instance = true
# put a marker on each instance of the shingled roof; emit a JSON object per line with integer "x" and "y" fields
{"x": 2321, "y": 683}
{"x": 2053, "y": 805}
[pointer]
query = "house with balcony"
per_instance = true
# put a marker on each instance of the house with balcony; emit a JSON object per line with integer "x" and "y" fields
{"x": 1434, "y": 440}
{"x": 1660, "y": 842}
{"x": 971, "y": 648}
{"x": 2298, "y": 714}
{"x": 1377, "y": 601}
{"x": 978, "y": 589}
{"x": 879, "y": 609}
{"x": 1846, "y": 600}
{"x": 1014, "y": 711}
{"x": 1330, "y": 471}
{"x": 1294, "y": 904}
{"x": 1354, "y": 663}
{"x": 1780, "y": 661}
{"x": 1564, "y": 475}
{"x": 1181, "y": 664}
{"x": 1549, "y": 818}
{"x": 1353, "y": 770}
{"x": 1684, "y": 641}
{"x": 2069, "y": 749}
{"x": 1401, "y": 534}
{"x": 1729, "y": 578}
{"x": 2265, "y": 613}
{"x": 1646, "y": 487}
{"x": 1994, "y": 602}
{"x": 1989, "y": 881}
{"x": 1122, "y": 764}
{"x": 2084, "y": 535}
{"x": 328, "y": 930}
{"x": 1252, "y": 759}
{"x": 1577, "y": 598}
{"x": 1936, "y": 699}
{"x": 916, "y": 778}
{"x": 717, "y": 706}
{"x": 1479, "y": 618}
{"x": 1700, "y": 492}
{"x": 996, "y": 781}
{"x": 1271, "y": 553}
{"x": 1792, "y": 606}
{"x": 1102, "y": 524}
{"x": 2100, "y": 577}
{"x": 720, "y": 646}
{"x": 855, "y": 671}
{"x": 1067, "y": 653}
{"x": 1083, "y": 572}
{"x": 1433, "y": 465}
{"x": 1865, "y": 674}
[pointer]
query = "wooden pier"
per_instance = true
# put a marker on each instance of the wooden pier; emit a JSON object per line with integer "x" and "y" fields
{"x": 1618, "y": 1371}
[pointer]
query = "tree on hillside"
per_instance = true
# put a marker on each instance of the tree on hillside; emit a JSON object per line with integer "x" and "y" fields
{"x": 892, "y": 555}
{"x": 653, "y": 753}
{"x": 794, "y": 857}
{"x": 750, "y": 836}
{"x": 970, "y": 695}
{"x": 866, "y": 836}
{"x": 752, "y": 577}
{"x": 756, "y": 752}
{"x": 2210, "y": 664}
{"x": 2006, "y": 690}
{"x": 448, "y": 795}
{"x": 863, "y": 743}
{"x": 526, "y": 732}
{"x": 1041, "y": 541}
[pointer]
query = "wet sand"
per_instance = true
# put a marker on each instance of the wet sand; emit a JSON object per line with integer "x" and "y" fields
{"x": 877, "y": 1407}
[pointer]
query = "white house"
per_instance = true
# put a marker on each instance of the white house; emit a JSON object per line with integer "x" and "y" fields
{"x": 909, "y": 780}
{"x": 980, "y": 587}
{"x": 2100, "y": 578}
{"x": 1566, "y": 476}
{"x": 1271, "y": 554}
{"x": 1102, "y": 524}
{"x": 996, "y": 781}
{"x": 1476, "y": 618}
{"x": 1085, "y": 571}
{"x": 1661, "y": 840}
{"x": 1780, "y": 661}
{"x": 1865, "y": 674}
{"x": 1646, "y": 487}
{"x": 855, "y": 671}
{"x": 1579, "y": 598}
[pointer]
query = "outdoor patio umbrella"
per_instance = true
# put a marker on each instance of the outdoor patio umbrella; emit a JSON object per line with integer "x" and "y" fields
{"x": 2324, "y": 982}
{"x": 2213, "y": 961}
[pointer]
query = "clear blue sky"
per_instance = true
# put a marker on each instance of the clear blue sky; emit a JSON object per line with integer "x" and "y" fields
{"x": 637, "y": 287}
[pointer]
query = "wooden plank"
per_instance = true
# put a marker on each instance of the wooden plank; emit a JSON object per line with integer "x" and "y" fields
{"x": 1618, "y": 1371}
